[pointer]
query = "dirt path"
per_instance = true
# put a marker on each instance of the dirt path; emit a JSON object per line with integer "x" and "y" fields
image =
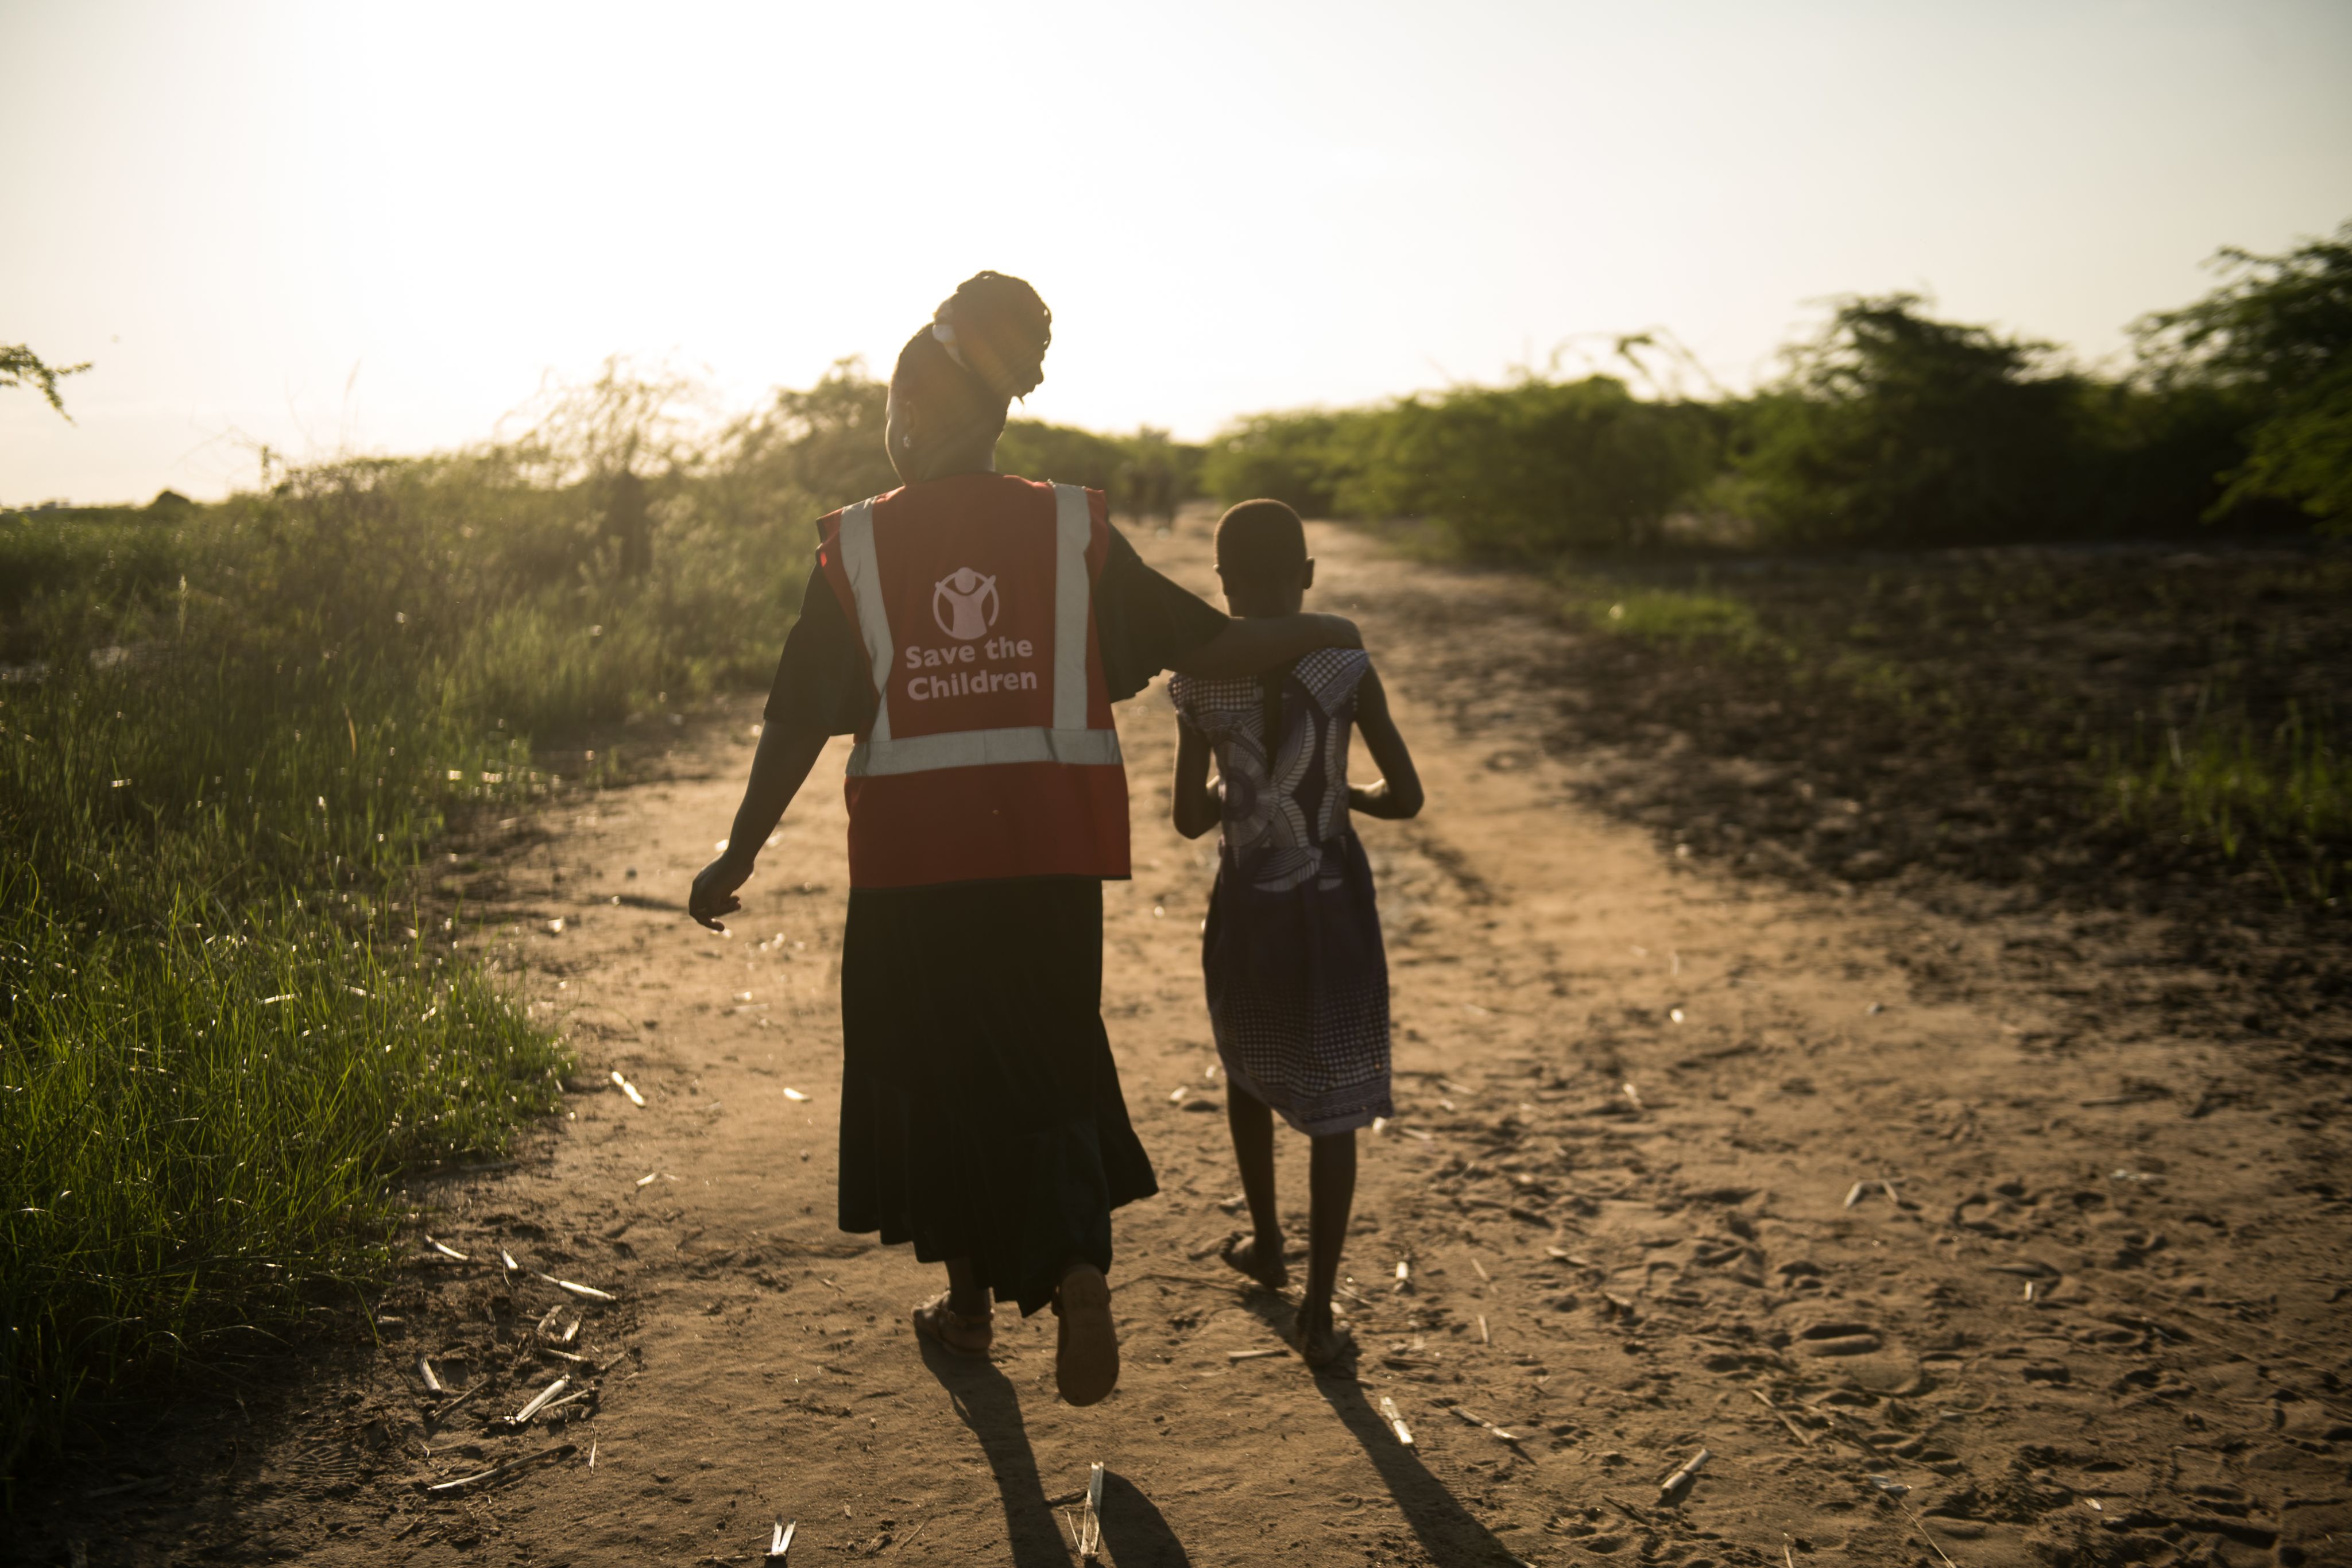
{"x": 1832, "y": 1189}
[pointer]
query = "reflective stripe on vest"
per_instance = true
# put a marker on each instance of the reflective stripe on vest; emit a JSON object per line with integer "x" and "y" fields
{"x": 1068, "y": 739}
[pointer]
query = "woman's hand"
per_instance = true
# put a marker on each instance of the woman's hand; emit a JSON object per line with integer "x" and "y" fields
{"x": 714, "y": 891}
{"x": 787, "y": 751}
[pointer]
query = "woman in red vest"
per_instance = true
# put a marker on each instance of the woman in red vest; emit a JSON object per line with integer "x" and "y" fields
{"x": 972, "y": 630}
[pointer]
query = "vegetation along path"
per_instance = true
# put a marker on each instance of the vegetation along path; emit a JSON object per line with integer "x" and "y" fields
{"x": 1950, "y": 1239}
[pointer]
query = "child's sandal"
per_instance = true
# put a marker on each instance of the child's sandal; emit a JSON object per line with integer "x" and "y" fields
{"x": 964, "y": 1335}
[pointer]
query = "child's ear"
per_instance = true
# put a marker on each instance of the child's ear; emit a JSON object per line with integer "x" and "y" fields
{"x": 1307, "y": 578}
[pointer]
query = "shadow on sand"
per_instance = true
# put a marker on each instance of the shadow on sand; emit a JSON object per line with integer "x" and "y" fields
{"x": 1446, "y": 1530}
{"x": 1134, "y": 1533}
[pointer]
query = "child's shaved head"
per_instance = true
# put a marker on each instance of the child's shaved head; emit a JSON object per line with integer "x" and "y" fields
{"x": 1260, "y": 543}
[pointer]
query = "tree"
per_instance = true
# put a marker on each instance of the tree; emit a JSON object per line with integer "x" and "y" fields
{"x": 2278, "y": 334}
{"x": 20, "y": 367}
{"x": 1894, "y": 428}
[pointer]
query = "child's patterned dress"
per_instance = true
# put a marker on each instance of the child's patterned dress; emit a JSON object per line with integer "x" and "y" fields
{"x": 1297, "y": 980}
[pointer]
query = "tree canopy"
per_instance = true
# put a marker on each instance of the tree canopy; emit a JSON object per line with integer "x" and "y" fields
{"x": 2279, "y": 333}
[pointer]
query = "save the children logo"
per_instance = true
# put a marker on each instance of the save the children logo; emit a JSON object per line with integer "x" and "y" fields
{"x": 965, "y": 603}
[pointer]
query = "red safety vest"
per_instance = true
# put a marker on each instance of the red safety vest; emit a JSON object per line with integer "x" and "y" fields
{"x": 991, "y": 752}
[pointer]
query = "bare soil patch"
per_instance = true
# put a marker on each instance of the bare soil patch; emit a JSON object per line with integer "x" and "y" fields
{"x": 1945, "y": 723}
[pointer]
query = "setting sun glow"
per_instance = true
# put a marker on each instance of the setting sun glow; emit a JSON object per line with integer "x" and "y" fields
{"x": 377, "y": 228}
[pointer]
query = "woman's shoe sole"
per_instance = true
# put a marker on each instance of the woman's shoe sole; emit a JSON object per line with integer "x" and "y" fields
{"x": 1086, "y": 1361}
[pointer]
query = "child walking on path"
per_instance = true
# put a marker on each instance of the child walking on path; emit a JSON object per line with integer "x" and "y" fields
{"x": 1297, "y": 980}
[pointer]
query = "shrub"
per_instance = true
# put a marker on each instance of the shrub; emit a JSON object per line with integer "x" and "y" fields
{"x": 1523, "y": 472}
{"x": 1299, "y": 458}
{"x": 1534, "y": 470}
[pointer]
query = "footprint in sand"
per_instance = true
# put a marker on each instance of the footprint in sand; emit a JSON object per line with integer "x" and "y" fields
{"x": 1859, "y": 1353}
{"x": 1801, "y": 1276}
{"x": 1838, "y": 1337}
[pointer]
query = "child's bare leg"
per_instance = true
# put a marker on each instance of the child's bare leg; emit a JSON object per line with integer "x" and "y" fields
{"x": 1259, "y": 1257}
{"x": 1331, "y": 1186}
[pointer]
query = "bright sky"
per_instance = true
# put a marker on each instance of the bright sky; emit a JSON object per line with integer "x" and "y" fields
{"x": 376, "y": 227}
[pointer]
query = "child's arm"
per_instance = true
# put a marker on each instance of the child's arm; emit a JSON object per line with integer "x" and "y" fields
{"x": 1396, "y": 794}
{"x": 1196, "y": 807}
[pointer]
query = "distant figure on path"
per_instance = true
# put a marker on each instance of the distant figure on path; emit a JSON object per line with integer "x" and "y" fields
{"x": 1160, "y": 492}
{"x": 972, "y": 630}
{"x": 628, "y": 522}
{"x": 1297, "y": 979}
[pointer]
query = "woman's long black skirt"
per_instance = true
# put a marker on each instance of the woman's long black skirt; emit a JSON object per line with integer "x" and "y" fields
{"x": 981, "y": 1112}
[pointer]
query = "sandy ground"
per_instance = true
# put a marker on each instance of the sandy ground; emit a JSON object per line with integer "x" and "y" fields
{"x": 1857, "y": 1198}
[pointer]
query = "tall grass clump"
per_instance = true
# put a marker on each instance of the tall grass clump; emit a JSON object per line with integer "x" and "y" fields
{"x": 200, "y": 1123}
{"x": 225, "y": 1018}
{"x": 2280, "y": 793}
{"x": 229, "y": 737}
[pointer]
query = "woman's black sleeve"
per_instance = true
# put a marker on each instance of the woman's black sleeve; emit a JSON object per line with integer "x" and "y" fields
{"x": 822, "y": 679}
{"x": 1144, "y": 623}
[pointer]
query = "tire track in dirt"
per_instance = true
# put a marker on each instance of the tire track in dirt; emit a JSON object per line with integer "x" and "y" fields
{"x": 1835, "y": 1188}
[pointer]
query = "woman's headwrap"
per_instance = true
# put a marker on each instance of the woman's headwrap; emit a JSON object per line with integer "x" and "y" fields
{"x": 997, "y": 329}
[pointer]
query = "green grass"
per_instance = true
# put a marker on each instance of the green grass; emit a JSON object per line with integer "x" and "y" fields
{"x": 200, "y": 1123}
{"x": 232, "y": 740}
{"x": 2245, "y": 789}
{"x": 225, "y": 1017}
{"x": 1668, "y": 615}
